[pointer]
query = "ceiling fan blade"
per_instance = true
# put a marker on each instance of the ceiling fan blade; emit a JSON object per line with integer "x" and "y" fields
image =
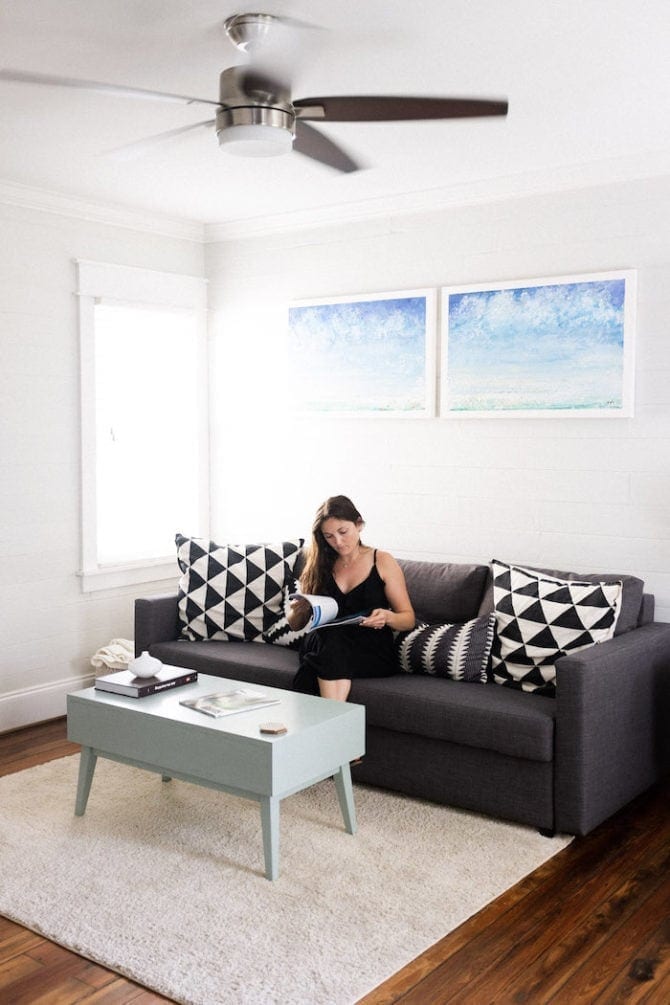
{"x": 388, "y": 108}
{"x": 50, "y": 80}
{"x": 312, "y": 143}
{"x": 140, "y": 147}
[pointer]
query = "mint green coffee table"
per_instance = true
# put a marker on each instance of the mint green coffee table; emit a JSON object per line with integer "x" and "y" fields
{"x": 230, "y": 753}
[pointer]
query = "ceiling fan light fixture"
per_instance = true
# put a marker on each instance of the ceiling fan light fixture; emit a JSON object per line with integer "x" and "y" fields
{"x": 255, "y": 140}
{"x": 255, "y": 131}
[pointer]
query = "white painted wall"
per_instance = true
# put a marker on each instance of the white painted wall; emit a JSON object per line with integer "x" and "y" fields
{"x": 585, "y": 495}
{"x": 48, "y": 628}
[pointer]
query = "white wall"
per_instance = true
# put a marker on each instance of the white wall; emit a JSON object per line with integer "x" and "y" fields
{"x": 48, "y": 628}
{"x": 579, "y": 494}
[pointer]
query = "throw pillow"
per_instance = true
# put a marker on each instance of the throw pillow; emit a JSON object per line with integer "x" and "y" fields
{"x": 458, "y": 651}
{"x": 232, "y": 591}
{"x": 541, "y": 618}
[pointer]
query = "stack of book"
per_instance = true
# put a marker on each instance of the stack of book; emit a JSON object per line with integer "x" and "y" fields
{"x": 125, "y": 682}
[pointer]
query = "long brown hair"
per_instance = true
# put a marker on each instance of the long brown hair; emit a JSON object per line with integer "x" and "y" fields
{"x": 321, "y": 557}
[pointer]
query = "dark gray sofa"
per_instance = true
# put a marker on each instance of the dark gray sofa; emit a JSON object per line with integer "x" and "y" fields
{"x": 560, "y": 764}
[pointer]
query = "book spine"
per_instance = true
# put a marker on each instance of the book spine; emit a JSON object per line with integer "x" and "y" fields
{"x": 146, "y": 689}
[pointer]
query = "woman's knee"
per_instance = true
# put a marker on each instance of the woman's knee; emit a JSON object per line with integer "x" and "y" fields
{"x": 336, "y": 689}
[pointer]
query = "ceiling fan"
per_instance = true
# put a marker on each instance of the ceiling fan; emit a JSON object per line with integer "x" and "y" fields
{"x": 256, "y": 114}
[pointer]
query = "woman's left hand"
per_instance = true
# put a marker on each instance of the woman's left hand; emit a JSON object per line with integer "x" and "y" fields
{"x": 376, "y": 618}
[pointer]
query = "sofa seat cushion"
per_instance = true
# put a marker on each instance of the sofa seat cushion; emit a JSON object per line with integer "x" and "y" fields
{"x": 247, "y": 661}
{"x": 486, "y": 716}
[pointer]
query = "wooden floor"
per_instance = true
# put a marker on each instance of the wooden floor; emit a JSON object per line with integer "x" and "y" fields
{"x": 591, "y": 925}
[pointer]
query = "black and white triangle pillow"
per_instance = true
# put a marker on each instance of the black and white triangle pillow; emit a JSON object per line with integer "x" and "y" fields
{"x": 232, "y": 591}
{"x": 540, "y": 618}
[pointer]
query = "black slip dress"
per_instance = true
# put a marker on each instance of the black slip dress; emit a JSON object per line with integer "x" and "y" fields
{"x": 348, "y": 651}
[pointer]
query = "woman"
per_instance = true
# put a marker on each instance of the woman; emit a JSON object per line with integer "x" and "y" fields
{"x": 361, "y": 579}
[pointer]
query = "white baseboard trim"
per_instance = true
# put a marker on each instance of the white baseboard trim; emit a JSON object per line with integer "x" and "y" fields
{"x": 37, "y": 704}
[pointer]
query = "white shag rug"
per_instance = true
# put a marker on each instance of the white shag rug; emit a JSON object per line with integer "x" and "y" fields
{"x": 163, "y": 882}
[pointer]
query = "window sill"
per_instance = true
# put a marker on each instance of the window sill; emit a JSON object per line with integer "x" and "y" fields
{"x": 112, "y": 577}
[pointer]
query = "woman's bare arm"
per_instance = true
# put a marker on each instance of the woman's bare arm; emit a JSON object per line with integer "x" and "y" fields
{"x": 401, "y": 616}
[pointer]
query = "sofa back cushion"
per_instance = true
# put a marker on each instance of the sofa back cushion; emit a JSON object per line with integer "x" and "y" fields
{"x": 445, "y": 592}
{"x": 631, "y": 597}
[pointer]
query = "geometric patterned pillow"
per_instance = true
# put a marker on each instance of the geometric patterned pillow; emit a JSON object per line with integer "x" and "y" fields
{"x": 458, "y": 651}
{"x": 540, "y": 618}
{"x": 232, "y": 591}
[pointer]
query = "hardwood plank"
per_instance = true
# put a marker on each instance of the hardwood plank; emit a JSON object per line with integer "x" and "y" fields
{"x": 55, "y": 984}
{"x": 15, "y": 968}
{"x": 50, "y": 953}
{"x": 607, "y": 938}
{"x": 18, "y": 941}
{"x": 45, "y": 737}
{"x": 644, "y": 977}
{"x": 121, "y": 992}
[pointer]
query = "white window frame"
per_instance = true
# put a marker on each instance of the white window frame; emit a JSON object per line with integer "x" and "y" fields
{"x": 98, "y": 281}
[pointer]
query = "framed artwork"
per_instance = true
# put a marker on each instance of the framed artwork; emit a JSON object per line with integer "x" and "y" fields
{"x": 369, "y": 355}
{"x": 559, "y": 347}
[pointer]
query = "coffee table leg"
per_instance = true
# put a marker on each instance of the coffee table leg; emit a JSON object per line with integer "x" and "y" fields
{"x": 270, "y": 824}
{"x": 345, "y": 795}
{"x": 87, "y": 762}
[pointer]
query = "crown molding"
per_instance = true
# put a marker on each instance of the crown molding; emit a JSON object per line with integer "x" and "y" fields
{"x": 59, "y": 204}
{"x": 645, "y": 165}
{"x": 565, "y": 178}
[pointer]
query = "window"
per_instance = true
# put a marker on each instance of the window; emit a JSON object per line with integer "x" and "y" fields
{"x": 144, "y": 421}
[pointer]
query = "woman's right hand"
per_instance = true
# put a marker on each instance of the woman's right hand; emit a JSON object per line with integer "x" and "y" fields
{"x": 300, "y": 611}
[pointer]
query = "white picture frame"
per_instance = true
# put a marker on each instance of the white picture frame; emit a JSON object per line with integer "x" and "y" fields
{"x": 369, "y": 355}
{"x": 558, "y": 347}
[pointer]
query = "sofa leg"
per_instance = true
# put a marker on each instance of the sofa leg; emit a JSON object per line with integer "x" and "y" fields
{"x": 547, "y": 832}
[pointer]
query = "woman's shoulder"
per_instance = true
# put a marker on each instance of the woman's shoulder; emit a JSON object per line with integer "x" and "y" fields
{"x": 384, "y": 560}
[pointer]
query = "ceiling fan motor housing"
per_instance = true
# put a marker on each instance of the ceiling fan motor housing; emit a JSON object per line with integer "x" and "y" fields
{"x": 252, "y": 120}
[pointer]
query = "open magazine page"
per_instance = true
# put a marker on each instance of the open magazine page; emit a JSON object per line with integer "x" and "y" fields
{"x": 228, "y": 702}
{"x": 324, "y": 612}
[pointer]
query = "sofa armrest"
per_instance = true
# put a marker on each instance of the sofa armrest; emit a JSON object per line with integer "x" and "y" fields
{"x": 156, "y": 620}
{"x": 612, "y": 716}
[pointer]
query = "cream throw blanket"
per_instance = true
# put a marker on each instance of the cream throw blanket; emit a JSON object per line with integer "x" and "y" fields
{"x": 115, "y": 656}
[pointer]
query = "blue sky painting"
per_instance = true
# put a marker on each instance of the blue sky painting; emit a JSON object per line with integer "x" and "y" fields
{"x": 550, "y": 347}
{"x": 362, "y": 355}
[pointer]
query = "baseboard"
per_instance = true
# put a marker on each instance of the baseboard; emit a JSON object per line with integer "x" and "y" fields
{"x": 37, "y": 704}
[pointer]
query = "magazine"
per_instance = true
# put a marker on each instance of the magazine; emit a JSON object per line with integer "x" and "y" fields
{"x": 220, "y": 703}
{"x": 324, "y": 612}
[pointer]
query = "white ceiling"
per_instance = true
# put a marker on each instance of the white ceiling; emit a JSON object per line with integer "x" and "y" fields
{"x": 588, "y": 82}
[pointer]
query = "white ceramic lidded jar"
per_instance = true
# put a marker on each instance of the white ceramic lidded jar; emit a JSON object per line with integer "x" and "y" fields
{"x": 145, "y": 665}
